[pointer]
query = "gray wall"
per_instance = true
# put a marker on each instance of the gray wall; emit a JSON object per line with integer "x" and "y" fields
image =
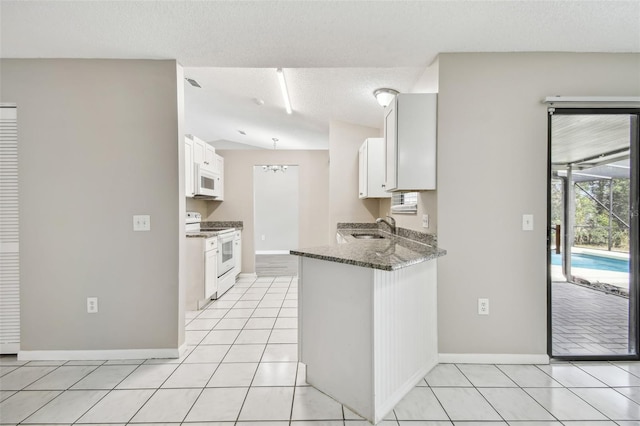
{"x": 345, "y": 206}
{"x": 276, "y": 209}
{"x": 313, "y": 177}
{"x": 492, "y": 168}
{"x": 99, "y": 141}
{"x": 427, "y": 204}
{"x": 328, "y": 189}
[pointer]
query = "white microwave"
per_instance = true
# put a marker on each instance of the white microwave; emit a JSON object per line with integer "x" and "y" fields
{"x": 206, "y": 183}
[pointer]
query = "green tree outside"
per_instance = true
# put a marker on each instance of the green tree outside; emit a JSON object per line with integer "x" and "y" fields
{"x": 591, "y": 218}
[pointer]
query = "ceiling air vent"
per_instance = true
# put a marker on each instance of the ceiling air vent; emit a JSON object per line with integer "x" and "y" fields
{"x": 193, "y": 82}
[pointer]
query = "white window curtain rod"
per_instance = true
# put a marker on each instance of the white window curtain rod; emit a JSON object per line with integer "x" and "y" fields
{"x": 592, "y": 101}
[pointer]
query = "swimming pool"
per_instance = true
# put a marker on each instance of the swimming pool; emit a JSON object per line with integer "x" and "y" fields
{"x": 590, "y": 261}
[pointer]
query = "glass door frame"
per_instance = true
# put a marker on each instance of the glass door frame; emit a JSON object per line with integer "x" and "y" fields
{"x": 634, "y": 249}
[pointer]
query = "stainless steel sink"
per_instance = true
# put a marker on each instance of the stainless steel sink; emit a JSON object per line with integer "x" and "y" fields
{"x": 367, "y": 236}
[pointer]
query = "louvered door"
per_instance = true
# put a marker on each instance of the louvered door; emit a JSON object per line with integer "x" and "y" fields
{"x": 9, "y": 248}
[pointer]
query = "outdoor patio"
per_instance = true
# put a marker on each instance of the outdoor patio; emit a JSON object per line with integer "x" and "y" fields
{"x": 588, "y": 322}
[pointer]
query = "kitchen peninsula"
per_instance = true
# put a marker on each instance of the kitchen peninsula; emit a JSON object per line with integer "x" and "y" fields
{"x": 367, "y": 313}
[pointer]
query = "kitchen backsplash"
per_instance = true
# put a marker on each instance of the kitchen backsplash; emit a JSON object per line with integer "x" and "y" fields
{"x": 430, "y": 239}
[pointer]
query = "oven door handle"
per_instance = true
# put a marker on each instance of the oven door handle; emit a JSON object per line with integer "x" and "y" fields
{"x": 225, "y": 238}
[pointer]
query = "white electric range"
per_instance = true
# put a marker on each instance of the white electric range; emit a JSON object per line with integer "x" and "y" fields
{"x": 224, "y": 251}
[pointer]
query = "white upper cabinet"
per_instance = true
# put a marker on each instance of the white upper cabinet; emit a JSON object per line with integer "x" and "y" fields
{"x": 371, "y": 169}
{"x": 218, "y": 164}
{"x": 196, "y": 151}
{"x": 209, "y": 156}
{"x": 362, "y": 171}
{"x": 410, "y": 139}
{"x": 203, "y": 153}
{"x": 219, "y": 168}
{"x": 188, "y": 168}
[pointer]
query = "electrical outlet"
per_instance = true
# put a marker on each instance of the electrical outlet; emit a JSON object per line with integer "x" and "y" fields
{"x": 141, "y": 222}
{"x": 263, "y": 237}
{"x": 425, "y": 220}
{"x": 483, "y": 306}
{"x": 92, "y": 305}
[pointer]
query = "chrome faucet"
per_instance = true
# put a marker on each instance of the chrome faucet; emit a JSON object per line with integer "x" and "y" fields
{"x": 391, "y": 224}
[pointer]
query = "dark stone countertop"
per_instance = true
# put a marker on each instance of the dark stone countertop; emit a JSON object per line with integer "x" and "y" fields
{"x": 237, "y": 224}
{"x": 214, "y": 228}
{"x": 388, "y": 254}
{"x": 207, "y": 233}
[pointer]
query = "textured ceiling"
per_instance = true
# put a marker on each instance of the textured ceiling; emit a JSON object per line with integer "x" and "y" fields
{"x": 226, "y": 103}
{"x": 576, "y": 138}
{"x": 334, "y": 52}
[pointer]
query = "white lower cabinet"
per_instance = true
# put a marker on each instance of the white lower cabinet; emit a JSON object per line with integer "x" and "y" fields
{"x": 237, "y": 252}
{"x": 367, "y": 336}
{"x": 202, "y": 272}
{"x": 210, "y": 272}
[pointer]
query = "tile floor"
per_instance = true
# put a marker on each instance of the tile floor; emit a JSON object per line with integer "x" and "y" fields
{"x": 274, "y": 265}
{"x": 241, "y": 367}
{"x": 588, "y": 322}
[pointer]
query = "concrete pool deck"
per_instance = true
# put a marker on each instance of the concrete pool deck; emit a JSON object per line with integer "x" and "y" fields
{"x": 585, "y": 320}
{"x": 588, "y": 322}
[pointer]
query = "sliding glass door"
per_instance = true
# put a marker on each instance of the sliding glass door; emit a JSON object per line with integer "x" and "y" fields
{"x": 593, "y": 233}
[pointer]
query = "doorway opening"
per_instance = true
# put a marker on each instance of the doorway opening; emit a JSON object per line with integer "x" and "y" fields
{"x": 275, "y": 218}
{"x": 593, "y": 233}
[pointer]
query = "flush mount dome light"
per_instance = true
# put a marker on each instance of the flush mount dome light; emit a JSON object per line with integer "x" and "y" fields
{"x": 384, "y": 96}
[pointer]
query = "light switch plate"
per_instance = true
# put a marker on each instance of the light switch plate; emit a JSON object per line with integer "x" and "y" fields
{"x": 527, "y": 222}
{"x": 425, "y": 220}
{"x": 483, "y": 306}
{"x": 141, "y": 222}
{"x": 92, "y": 305}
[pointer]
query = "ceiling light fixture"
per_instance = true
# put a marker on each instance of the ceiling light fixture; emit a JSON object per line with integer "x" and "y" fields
{"x": 384, "y": 96}
{"x": 283, "y": 89}
{"x": 275, "y": 141}
{"x": 274, "y": 168}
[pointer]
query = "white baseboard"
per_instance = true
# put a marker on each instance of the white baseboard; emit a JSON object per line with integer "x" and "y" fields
{"x": 493, "y": 359}
{"x": 247, "y": 275}
{"x": 100, "y": 355}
